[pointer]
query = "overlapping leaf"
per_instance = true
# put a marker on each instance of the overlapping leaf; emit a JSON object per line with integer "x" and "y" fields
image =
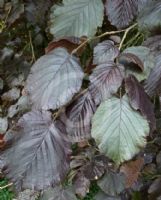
{"x": 149, "y": 18}
{"x": 116, "y": 123}
{"x": 59, "y": 193}
{"x": 94, "y": 169}
{"x": 139, "y": 100}
{"x": 154, "y": 44}
{"x": 129, "y": 58}
{"x": 105, "y": 80}
{"x": 54, "y": 79}
{"x": 70, "y": 43}
{"x": 39, "y": 156}
{"x": 121, "y": 12}
{"x": 78, "y": 117}
{"x": 81, "y": 185}
{"x": 103, "y": 196}
{"x": 145, "y": 56}
{"x": 132, "y": 170}
{"x": 112, "y": 183}
{"x": 104, "y": 52}
{"x": 76, "y": 18}
{"x": 153, "y": 83}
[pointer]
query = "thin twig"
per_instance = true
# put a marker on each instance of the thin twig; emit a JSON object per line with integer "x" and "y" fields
{"x": 102, "y": 35}
{"x": 32, "y": 48}
{"x": 125, "y": 34}
{"x": 6, "y": 186}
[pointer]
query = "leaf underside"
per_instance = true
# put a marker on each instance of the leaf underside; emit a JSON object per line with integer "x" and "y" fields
{"x": 76, "y": 18}
{"x": 116, "y": 123}
{"x": 54, "y": 79}
{"x": 39, "y": 156}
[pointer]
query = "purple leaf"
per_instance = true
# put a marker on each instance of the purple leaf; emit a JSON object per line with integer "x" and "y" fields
{"x": 81, "y": 185}
{"x": 78, "y": 117}
{"x": 104, "y": 52}
{"x": 105, "y": 80}
{"x": 59, "y": 193}
{"x": 139, "y": 100}
{"x": 153, "y": 83}
{"x": 54, "y": 79}
{"x": 154, "y": 44}
{"x": 94, "y": 169}
{"x": 39, "y": 156}
{"x": 121, "y": 12}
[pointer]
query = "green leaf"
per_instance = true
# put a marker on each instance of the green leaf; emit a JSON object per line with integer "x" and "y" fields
{"x": 119, "y": 130}
{"x": 147, "y": 58}
{"x": 76, "y": 18}
{"x": 150, "y": 17}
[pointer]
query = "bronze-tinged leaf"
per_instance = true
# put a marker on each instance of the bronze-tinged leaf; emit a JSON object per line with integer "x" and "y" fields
{"x": 104, "y": 52}
{"x": 39, "y": 156}
{"x": 105, "y": 80}
{"x": 121, "y": 12}
{"x": 139, "y": 100}
{"x": 70, "y": 43}
{"x": 78, "y": 117}
{"x": 153, "y": 83}
{"x": 132, "y": 170}
{"x": 131, "y": 58}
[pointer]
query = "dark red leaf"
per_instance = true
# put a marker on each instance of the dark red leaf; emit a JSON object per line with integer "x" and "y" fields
{"x": 139, "y": 100}
{"x": 105, "y": 80}
{"x": 154, "y": 44}
{"x": 39, "y": 156}
{"x": 153, "y": 83}
{"x": 78, "y": 117}
{"x": 94, "y": 169}
{"x": 121, "y": 12}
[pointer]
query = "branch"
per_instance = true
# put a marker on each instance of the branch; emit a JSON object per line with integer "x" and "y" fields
{"x": 105, "y": 34}
{"x": 5, "y": 186}
{"x": 125, "y": 35}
